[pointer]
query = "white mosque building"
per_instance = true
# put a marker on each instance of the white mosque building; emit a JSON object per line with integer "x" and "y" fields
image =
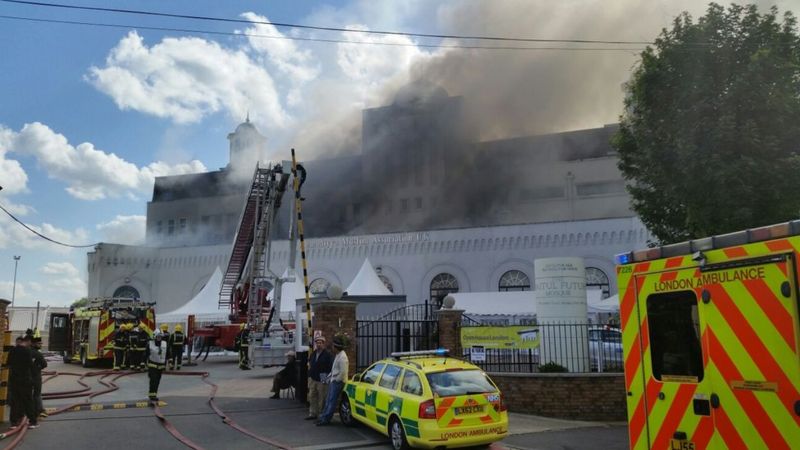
{"x": 435, "y": 211}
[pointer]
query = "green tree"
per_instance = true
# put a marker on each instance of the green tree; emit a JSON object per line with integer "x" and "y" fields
{"x": 710, "y": 135}
{"x": 80, "y": 302}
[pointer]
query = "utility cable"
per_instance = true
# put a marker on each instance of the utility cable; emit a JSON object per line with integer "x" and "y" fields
{"x": 321, "y": 28}
{"x": 308, "y": 39}
{"x": 42, "y": 235}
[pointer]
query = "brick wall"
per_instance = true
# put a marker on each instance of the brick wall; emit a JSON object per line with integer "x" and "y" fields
{"x": 450, "y": 329}
{"x": 4, "y": 314}
{"x": 589, "y": 396}
{"x": 337, "y": 316}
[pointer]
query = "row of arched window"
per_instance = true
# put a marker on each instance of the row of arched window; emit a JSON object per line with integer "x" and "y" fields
{"x": 512, "y": 280}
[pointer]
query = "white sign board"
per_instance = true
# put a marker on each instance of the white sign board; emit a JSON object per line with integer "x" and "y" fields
{"x": 477, "y": 353}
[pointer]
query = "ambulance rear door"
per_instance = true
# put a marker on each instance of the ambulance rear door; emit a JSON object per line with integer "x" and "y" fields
{"x": 677, "y": 389}
{"x": 751, "y": 335}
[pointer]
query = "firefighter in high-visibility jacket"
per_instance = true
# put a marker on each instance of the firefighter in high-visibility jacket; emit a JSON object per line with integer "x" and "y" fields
{"x": 243, "y": 339}
{"x": 120, "y": 347}
{"x": 176, "y": 342}
{"x": 156, "y": 363}
{"x": 165, "y": 336}
{"x": 141, "y": 350}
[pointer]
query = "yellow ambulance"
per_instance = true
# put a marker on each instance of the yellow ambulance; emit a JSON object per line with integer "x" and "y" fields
{"x": 426, "y": 399}
{"x": 710, "y": 341}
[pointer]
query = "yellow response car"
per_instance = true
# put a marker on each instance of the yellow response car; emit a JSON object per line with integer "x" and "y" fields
{"x": 427, "y": 400}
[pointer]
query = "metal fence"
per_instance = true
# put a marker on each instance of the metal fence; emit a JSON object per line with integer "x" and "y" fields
{"x": 561, "y": 347}
{"x": 405, "y": 329}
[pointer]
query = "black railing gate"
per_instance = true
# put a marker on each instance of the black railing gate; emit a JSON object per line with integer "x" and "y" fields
{"x": 409, "y": 328}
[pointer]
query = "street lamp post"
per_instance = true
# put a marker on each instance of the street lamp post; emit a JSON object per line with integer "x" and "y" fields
{"x": 14, "y": 288}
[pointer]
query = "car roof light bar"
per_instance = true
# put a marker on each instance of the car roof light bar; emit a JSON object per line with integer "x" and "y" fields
{"x": 437, "y": 352}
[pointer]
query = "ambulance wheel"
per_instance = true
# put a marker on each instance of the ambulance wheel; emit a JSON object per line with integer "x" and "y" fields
{"x": 397, "y": 435}
{"x": 345, "y": 412}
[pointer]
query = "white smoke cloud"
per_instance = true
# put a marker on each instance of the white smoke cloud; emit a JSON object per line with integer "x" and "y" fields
{"x": 129, "y": 230}
{"x": 90, "y": 173}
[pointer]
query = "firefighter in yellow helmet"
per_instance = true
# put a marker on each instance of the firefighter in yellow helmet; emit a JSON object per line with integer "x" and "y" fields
{"x": 165, "y": 336}
{"x": 176, "y": 342}
{"x": 120, "y": 346}
{"x": 243, "y": 342}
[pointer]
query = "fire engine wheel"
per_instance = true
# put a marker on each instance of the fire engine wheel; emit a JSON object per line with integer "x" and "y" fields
{"x": 397, "y": 435}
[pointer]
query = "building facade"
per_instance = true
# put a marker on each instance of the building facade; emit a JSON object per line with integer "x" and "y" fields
{"x": 433, "y": 209}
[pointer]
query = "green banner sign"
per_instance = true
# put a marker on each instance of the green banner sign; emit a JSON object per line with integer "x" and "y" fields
{"x": 518, "y": 336}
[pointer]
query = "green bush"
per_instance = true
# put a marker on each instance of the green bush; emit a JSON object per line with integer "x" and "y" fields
{"x": 552, "y": 367}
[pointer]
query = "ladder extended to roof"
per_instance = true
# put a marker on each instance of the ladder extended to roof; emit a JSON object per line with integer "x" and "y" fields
{"x": 252, "y": 240}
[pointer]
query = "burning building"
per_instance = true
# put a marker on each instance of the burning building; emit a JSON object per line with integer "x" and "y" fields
{"x": 434, "y": 208}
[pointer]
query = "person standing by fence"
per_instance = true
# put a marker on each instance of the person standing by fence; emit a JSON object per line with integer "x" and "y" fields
{"x": 319, "y": 367}
{"x": 337, "y": 378}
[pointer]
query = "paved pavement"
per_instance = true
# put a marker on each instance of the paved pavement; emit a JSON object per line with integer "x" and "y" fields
{"x": 243, "y": 395}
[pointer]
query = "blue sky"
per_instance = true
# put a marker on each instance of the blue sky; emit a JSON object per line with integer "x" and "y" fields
{"x": 89, "y": 115}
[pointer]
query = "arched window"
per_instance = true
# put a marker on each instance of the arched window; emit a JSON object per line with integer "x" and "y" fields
{"x": 126, "y": 292}
{"x": 319, "y": 286}
{"x": 597, "y": 279}
{"x": 514, "y": 280}
{"x": 441, "y": 285}
{"x": 387, "y": 282}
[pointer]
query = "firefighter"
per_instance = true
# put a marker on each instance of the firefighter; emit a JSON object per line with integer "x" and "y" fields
{"x": 141, "y": 349}
{"x": 39, "y": 364}
{"x": 121, "y": 347}
{"x": 156, "y": 363}
{"x": 165, "y": 336}
{"x": 243, "y": 338}
{"x": 176, "y": 342}
{"x": 20, "y": 383}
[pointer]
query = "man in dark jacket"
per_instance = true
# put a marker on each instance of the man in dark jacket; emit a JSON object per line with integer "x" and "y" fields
{"x": 39, "y": 364}
{"x": 319, "y": 366}
{"x": 20, "y": 380}
{"x": 286, "y": 377}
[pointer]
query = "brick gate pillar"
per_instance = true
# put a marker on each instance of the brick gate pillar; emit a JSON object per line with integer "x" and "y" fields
{"x": 337, "y": 316}
{"x": 450, "y": 330}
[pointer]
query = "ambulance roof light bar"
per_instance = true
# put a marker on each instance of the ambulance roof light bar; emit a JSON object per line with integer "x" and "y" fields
{"x": 714, "y": 242}
{"x": 437, "y": 352}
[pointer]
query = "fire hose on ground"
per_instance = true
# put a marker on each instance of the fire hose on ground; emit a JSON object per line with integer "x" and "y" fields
{"x": 110, "y": 386}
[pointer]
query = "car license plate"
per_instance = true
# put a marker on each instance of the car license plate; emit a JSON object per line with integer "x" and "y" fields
{"x": 468, "y": 409}
{"x": 681, "y": 444}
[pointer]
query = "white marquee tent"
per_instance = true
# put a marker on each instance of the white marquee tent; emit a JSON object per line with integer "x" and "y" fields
{"x": 367, "y": 282}
{"x": 204, "y": 305}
